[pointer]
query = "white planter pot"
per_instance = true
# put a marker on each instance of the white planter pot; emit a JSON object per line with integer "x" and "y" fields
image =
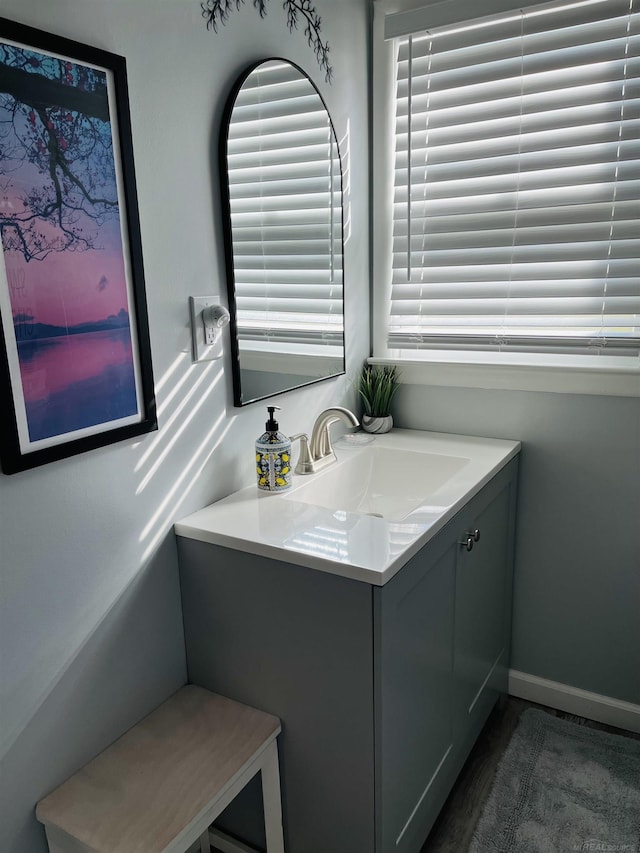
{"x": 377, "y": 425}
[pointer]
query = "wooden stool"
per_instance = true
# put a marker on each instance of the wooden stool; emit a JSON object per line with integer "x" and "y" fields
{"x": 160, "y": 785}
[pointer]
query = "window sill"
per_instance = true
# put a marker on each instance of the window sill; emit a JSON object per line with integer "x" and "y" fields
{"x": 604, "y": 376}
{"x": 317, "y": 361}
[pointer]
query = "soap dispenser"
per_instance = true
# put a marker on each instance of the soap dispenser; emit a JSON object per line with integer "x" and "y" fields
{"x": 273, "y": 457}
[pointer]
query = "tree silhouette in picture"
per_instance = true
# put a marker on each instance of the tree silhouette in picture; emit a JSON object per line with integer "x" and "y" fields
{"x": 298, "y": 11}
{"x": 57, "y": 173}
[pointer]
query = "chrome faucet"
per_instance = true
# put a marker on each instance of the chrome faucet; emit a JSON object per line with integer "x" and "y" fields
{"x": 317, "y": 453}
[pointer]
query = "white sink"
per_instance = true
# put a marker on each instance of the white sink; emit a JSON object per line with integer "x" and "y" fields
{"x": 385, "y": 482}
{"x": 366, "y": 515}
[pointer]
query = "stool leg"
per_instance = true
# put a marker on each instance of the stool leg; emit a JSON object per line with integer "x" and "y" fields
{"x": 272, "y": 801}
{"x": 205, "y": 846}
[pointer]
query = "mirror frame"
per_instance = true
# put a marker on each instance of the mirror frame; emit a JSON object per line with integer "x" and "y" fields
{"x": 228, "y": 235}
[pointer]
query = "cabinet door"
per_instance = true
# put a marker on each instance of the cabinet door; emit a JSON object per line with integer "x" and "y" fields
{"x": 483, "y": 595}
{"x": 413, "y": 616}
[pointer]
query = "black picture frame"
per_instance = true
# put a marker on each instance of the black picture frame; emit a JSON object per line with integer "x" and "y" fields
{"x": 71, "y": 249}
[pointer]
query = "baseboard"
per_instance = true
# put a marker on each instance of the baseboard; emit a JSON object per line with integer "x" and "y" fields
{"x": 572, "y": 700}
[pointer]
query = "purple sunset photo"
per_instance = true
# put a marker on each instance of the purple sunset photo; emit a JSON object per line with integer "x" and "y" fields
{"x": 61, "y": 239}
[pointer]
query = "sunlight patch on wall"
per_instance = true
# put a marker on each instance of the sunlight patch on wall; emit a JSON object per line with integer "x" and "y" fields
{"x": 184, "y": 423}
{"x": 164, "y": 516}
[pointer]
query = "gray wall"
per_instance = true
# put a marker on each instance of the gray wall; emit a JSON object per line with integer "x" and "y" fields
{"x": 90, "y": 623}
{"x": 577, "y": 583}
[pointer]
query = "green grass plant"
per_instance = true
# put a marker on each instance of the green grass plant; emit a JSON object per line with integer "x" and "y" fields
{"x": 376, "y": 386}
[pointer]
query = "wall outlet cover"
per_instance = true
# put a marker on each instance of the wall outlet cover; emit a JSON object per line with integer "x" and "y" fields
{"x": 206, "y": 345}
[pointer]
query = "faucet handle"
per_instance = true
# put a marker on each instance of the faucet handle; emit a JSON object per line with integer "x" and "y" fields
{"x": 305, "y": 463}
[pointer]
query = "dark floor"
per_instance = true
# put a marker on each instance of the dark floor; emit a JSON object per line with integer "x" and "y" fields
{"x": 453, "y": 830}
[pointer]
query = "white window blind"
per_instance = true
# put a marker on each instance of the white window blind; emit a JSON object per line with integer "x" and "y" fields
{"x": 516, "y": 214}
{"x": 285, "y": 193}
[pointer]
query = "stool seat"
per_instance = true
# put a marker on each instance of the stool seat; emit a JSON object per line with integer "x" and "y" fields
{"x": 160, "y": 785}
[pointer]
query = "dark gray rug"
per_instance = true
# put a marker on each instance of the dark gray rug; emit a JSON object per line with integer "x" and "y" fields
{"x": 562, "y": 787}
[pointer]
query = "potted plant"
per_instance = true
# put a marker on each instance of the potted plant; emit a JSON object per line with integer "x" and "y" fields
{"x": 376, "y": 386}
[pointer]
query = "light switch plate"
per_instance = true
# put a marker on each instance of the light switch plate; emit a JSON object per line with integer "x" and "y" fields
{"x": 201, "y": 350}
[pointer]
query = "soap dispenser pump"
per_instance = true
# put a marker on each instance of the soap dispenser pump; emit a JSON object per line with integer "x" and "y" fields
{"x": 273, "y": 457}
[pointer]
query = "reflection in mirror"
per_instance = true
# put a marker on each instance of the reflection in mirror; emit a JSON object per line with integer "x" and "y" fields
{"x": 282, "y": 177}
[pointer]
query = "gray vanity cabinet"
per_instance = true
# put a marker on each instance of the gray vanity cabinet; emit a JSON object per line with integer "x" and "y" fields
{"x": 483, "y": 610}
{"x": 381, "y": 690}
{"x": 414, "y": 622}
{"x": 442, "y": 634}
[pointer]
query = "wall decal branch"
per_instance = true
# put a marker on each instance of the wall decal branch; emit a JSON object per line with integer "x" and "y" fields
{"x": 217, "y": 12}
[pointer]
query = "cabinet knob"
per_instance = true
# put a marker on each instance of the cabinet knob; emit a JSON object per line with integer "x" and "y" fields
{"x": 469, "y": 538}
{"x": 467, "y": 543}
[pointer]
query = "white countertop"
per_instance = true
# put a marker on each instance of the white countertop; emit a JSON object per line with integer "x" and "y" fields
{"x": 349, "y": 544}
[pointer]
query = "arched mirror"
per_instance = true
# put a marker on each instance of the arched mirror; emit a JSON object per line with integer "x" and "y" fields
{"x": 282, "y": 184}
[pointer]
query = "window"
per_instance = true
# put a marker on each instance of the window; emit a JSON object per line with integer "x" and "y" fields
{"x": 516, "y": 196}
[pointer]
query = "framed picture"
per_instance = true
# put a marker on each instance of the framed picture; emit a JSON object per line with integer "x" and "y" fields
{"x": 75, "y": 364}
